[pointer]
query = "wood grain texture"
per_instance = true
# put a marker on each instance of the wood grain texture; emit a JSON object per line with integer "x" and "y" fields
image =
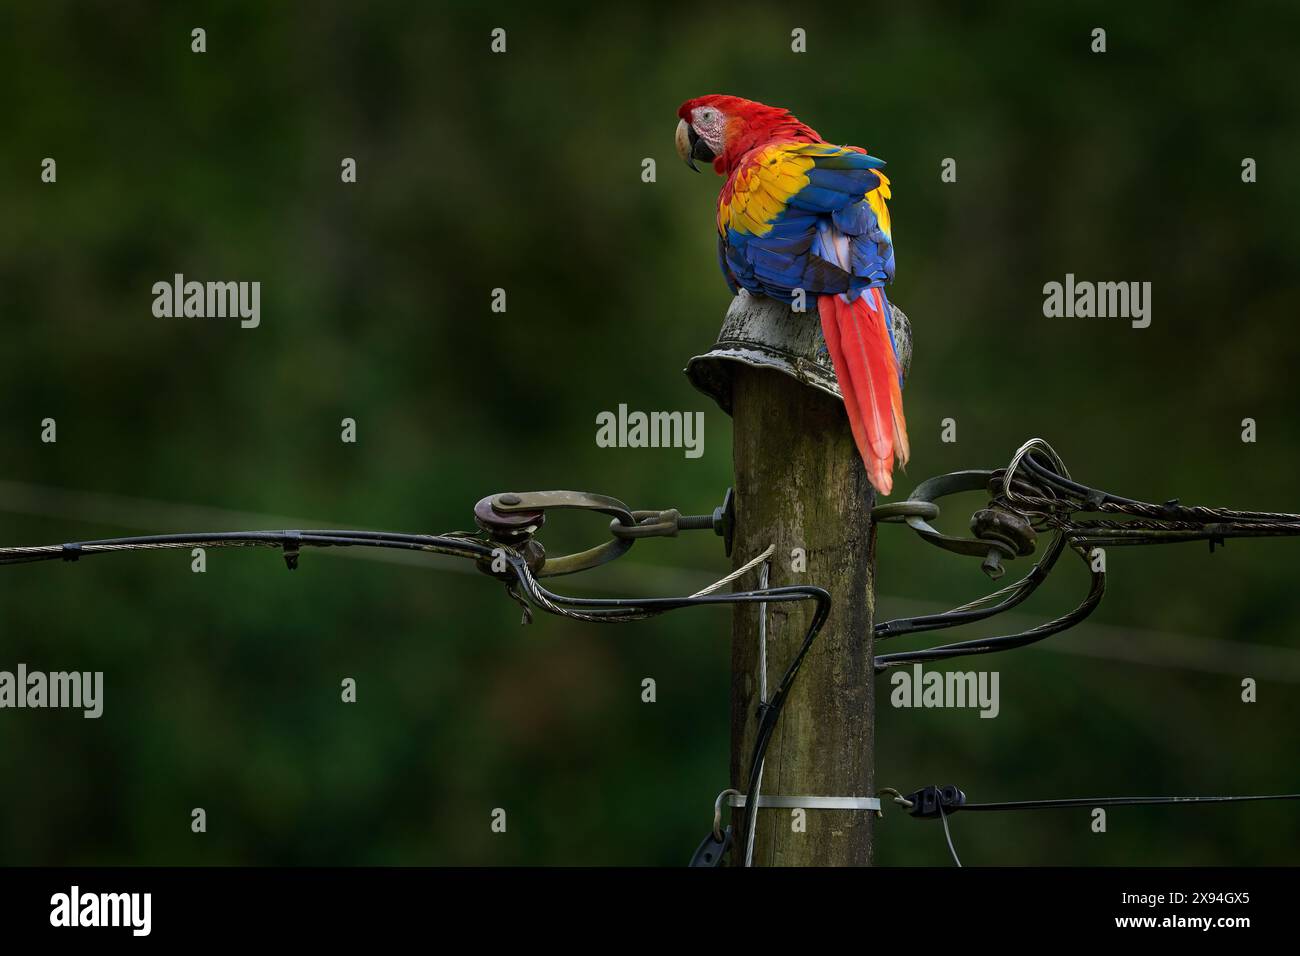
{"x": 800, "y": 484}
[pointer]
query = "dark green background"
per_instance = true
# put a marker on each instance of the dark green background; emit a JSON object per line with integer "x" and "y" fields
{"x": 522, "y": 171}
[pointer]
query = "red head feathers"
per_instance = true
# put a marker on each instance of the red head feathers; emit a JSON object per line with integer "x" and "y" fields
{"x": 724, "y": 128}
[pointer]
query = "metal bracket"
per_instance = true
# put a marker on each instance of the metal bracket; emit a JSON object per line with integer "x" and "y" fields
{"x": 766, "y": 801}
{"x": 513, "y": 518}
{"x": 999, "y": 534}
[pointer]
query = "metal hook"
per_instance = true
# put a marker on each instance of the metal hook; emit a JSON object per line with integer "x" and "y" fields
{"x": 899, "y": 799}
{"x": 717, "y": 811}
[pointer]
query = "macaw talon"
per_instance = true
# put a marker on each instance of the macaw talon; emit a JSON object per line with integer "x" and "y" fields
{"x": 691, "y": 147}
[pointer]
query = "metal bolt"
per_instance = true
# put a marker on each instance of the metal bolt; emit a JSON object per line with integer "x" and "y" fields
{"x": 992, "y": 565}
{"x": 695, "y": 522}
{"x": 722, "y": 522}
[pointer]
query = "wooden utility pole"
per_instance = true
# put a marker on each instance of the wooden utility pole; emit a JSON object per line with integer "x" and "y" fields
{"x": 801, "y": 486}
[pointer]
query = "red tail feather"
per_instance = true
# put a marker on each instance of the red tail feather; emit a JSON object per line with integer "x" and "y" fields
{"x": 857, "y": 335}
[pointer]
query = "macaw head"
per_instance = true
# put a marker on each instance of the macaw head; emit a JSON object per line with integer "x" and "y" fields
{"x": 721, "y": 129}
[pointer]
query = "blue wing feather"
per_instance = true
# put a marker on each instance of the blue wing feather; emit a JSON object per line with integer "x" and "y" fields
{"x": 826, "y": 240}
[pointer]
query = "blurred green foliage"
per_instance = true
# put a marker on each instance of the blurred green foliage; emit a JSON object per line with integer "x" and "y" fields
{"x": 522, "y": 171}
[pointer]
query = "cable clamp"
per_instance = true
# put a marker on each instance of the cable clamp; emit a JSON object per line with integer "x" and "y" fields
{"x": 290, "y": 548}
{"x": 71, "y": 551}
{"x": 930, "y": 803}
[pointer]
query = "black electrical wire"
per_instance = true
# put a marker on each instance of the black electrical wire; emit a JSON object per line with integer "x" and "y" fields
{"x": 933, "y": 802}
{"x": 1018, "y": 592}
{"x": 453, "y": 544}
{"x": 991, "y": 645}
{"x": 1119, "y": 802}
{"x": 1168, "y": 522}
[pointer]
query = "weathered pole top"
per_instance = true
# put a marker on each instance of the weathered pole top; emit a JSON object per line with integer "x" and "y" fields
{"x": 767, "y": 333}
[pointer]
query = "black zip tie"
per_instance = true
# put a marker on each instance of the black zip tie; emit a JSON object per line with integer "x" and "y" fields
{"x": 71, "y": 551}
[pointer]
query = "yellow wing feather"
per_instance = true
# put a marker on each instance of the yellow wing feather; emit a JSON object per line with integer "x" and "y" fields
{"x": 876, "y": 199}
{"x": 763, "y": 188}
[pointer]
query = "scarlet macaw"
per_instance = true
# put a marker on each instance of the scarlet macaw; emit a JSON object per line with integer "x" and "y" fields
{"x": 798, "y": 213}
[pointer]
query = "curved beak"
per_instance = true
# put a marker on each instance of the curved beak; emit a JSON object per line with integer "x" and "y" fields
{"x": 690, "y": 147}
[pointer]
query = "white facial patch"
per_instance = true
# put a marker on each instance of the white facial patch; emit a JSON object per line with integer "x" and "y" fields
{"x": 709, "y": 124}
